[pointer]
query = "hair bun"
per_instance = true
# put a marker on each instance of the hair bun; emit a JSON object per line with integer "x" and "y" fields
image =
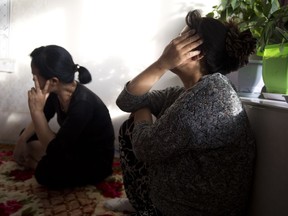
{"x": 239, "y": 45}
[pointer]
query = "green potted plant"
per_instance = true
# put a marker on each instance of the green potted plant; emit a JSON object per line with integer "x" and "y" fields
{"x": 268, "y": 22}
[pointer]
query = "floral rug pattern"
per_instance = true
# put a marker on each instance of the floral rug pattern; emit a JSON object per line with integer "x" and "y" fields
{"x": 21, "y": 195}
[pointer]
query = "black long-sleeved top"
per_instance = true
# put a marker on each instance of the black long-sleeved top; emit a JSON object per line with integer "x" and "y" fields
{"x": 83, "y": 150}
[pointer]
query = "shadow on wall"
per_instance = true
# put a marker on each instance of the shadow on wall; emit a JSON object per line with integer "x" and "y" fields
{"x": 113, "y": 47}
{"x": 117, "y": 122}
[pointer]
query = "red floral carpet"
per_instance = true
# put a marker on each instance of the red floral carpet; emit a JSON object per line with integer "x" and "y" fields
{"x": 21, "y": 195}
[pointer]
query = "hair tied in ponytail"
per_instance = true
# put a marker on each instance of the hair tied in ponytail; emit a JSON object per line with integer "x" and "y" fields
{"x": 76, "y": 67}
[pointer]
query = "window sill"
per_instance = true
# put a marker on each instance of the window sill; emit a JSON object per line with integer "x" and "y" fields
{"x": 264, "y": 102}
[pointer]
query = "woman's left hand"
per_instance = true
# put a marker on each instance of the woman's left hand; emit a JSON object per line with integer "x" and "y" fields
{"x": 180, "y": 50}
{"x": 37, "y": 97}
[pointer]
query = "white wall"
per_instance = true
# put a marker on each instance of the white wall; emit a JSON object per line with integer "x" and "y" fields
{"x": 114, "y": 39}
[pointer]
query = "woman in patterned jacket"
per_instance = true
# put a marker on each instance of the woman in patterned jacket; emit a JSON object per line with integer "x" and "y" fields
{"x": 197, "y": 157}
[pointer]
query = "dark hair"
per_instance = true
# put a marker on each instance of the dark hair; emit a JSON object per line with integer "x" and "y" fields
{"x": 55, "y": 61}
{"x": 224, "y": 47}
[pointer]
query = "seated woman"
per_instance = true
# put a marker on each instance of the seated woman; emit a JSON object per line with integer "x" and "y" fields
{"x": 197, "y": 157}
{"x": 82, "y": 150}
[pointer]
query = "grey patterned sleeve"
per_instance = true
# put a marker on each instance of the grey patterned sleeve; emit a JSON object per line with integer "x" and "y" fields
{"x": 208, "y": 116}
{"x": 156, "y": 100}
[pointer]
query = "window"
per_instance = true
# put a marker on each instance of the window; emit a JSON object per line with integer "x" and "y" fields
{"x": 6, "y": 64}
{"x": 4, "y": 28}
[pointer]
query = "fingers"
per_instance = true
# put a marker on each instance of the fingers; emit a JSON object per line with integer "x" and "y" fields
{"x": 185, "y": 29}
{"x": 190, "y": 35}
{"x": 36, "y": 83}
{"x": 191, "y": 45}
{"x": 38, "y": 87}
{"x": 191, "y": 41}
{"x": 31, "y": 91}
{"x": 192, "y": 54}
{"x": 187, "y": 41}
{"x": 176, "y": 41}
{"x": 180, "y": 49}
{"x": 46, "y": 87}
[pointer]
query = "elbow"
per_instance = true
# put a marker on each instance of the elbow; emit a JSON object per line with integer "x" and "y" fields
{"x": 119, "y": 103}
{"x": 122, "y": 104}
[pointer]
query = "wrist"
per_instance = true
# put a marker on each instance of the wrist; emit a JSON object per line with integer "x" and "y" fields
{"x": 143, "y": 114}
{"x": 160, "y": 65}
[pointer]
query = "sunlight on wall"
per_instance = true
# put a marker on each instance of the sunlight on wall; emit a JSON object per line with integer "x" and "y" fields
{"x": 113, "y": 39}
{"x": 121, "y": 38}
{"x": 37, "y": 30}
{"x": 13, "y": 117}
{"x": 2, "y": 77}
{"x": 129, "y": 30}
{"x": 120, "y": 30}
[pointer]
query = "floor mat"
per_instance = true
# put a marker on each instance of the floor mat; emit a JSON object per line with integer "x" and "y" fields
{"x": 20, "y": 194}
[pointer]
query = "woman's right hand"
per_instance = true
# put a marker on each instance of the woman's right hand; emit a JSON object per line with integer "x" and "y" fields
{"x": 37, "y": 96}
{"x": 179, "y": 50}
{"x": 176, "y": 53}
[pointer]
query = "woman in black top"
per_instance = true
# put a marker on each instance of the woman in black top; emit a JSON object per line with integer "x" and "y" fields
{"x": 82, "y": 150}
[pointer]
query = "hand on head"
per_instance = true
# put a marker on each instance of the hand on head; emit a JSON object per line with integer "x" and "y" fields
{"x": 37, "y": 96}
{"x": 180, "y": 50}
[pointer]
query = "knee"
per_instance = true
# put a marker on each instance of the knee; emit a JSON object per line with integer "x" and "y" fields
{"x": 127, "y": 126}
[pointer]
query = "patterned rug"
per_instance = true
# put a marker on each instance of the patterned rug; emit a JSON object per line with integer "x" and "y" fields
{"x": 21, "y": 195}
